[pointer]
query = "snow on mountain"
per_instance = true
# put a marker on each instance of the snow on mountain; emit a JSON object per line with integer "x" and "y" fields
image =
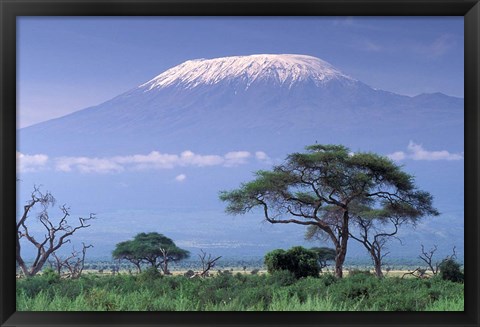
{"x": 280, "y": 69}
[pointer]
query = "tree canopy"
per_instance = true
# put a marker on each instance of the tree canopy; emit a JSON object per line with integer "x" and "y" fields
{"x": 324, "y": 187}
{"x": 298, "y": 260}
{"x": 324, "y": 255}
{"x": 152, "y": 248}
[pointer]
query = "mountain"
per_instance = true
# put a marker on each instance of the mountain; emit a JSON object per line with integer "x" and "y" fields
{"x": 259, "y": 99}
{"x": 185, "y": 122}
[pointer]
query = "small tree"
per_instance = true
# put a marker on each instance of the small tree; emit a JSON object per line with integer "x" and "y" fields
{"x": 56, "y": 234}
{"x": 376, "y": 226}
{"x": 207, "y": 263}
{"x": 451, "y": 269}
{"x": 448, "y": 263}
{"x": 298, "y": 260}
{"x": 152, "y": 248}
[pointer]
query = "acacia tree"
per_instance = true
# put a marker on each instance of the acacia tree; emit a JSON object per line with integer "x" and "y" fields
{"x": 56, "y": 234}
{"x": 152, "y": 248}
{"x": 320, "y": 188}
{"x": 128, "y": 251}
{"x": 171, "y": 253}
{"x": 324, "y": 255}
{"x": 376, "y": 226}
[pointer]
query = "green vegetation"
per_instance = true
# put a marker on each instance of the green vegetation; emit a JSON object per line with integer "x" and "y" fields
{"x": 153, "y": 248}
{"x": 450, "y": 270}
{"x": 280, "y": 291}
{"x": 336, "y": 194}
{"x": 329, "y": 188}
{"x": 298, "y": 260}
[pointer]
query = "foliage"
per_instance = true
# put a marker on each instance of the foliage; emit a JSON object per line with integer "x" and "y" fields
{"x": 324, "y": 255}
{"x": 450, "y": 270}
{"x": 245, "y": 292}
{"x": 50, "y": 275}
{"x": 324, "y": 187}
{"x": 297, "y": 260}
{"x": 282, "y": 277}
{"x": 152, "y": 248}
{"x": 150, "y": 274}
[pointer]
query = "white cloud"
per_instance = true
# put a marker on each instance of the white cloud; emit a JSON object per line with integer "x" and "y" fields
{"x": 181, "y": 178}
{"x": 417, "y": 152}
{"x": 263, "y": 157}
{"x": 87, "y": 165}
{"x": 260, "y": 155}
{"x": 31, "y": 163}
{"x": 188, "y": 158}
{"x": 397, "y": 156}
{"x": 153, "y": 160}
{"x": 236, "y": 158}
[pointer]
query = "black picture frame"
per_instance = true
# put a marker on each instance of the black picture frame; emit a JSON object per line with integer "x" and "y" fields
{"x": 11, "y": 9}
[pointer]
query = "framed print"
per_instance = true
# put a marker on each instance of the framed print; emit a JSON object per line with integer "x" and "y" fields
{"x": 239, "y": 163}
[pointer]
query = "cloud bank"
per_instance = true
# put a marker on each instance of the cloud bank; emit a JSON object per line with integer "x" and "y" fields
{"x": 152, "y": 160}
{"x": 417, "y": 152}
{"x": 31, "y": 163}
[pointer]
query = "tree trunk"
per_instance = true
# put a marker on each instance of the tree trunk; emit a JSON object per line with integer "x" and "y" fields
{"x": 165, "y": 268}
{"x": 339, "y": 260}
{"x": 378, "y": 267}
{"x": 138, "y": 267}
{"x": 341, "y": 247}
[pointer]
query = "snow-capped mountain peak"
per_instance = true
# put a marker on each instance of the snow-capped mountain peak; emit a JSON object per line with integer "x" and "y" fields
{"x": 281, "y": 69}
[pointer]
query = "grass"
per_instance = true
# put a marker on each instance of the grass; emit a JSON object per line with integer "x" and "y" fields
{"x": 240, "y": 292}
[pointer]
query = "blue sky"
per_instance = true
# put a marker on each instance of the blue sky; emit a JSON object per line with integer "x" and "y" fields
{"x": 67, "y": 64}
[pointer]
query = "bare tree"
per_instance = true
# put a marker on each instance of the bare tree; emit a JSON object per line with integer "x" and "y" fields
{"x": 207, "y": 263}
{"x": 418, "y": 272}
{"x": 427, "y": 257}
{"x": 55, "y": 236}
{"x": 74, "y": 263}
{"x": 374, "y": 239}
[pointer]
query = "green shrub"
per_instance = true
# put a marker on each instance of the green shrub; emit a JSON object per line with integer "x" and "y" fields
{"x": 308, "y": 287}
{"x": 328, "y": 279}
{"x": 298, "y": 260}
{"x": 450, "y": 270}
{"x": 50, "y": 276}
{"x": 282, "y": 278}
{"x": 150, "y": 274}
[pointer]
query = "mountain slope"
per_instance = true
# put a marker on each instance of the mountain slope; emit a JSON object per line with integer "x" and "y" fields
{"x": 239, "y": 100}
